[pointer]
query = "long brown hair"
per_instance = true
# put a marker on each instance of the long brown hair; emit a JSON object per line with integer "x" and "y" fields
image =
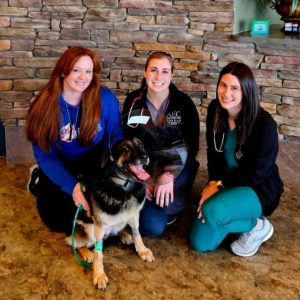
{"x": 250, "y": 101}
{"x": 43, "y": 121}
{"x": 157, "y": 55}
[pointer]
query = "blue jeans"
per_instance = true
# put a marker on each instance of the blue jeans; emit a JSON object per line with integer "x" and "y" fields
{"x": 153, "y": 218}
{"x": 232, "y": 210}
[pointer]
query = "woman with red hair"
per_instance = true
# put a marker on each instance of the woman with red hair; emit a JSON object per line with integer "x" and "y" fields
{"x": 69, "y": 124}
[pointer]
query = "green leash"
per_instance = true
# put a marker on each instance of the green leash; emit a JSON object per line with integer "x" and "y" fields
{"x": 98, "y": 244}
{"x": 83, "y": 263}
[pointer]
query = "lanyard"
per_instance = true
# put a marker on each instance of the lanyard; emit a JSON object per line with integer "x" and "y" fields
{"x": 160, "y": 122}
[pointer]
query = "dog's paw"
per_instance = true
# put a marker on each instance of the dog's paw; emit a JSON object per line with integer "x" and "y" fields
{"x": 100, "y": 280}
{"x": 126, "y": 238}
{"x": 146, "y": 255}
{"x": 86, "y": 254}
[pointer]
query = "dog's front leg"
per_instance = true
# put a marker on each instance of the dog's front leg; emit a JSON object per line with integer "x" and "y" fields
{"x": 144, "y": 253}
{"x": 99, "y": 278}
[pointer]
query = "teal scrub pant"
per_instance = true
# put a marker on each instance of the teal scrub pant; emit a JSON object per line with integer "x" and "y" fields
{"x": 232, "y": 210}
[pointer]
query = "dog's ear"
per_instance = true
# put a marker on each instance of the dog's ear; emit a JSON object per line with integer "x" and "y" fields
{"x": 138, "y": 143}
{"x": 116, "y": 150}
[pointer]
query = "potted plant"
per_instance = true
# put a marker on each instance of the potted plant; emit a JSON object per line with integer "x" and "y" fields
{"x": 289, "y": 10}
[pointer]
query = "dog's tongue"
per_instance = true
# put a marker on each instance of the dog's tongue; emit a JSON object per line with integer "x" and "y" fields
{"x": 139, "y": 172}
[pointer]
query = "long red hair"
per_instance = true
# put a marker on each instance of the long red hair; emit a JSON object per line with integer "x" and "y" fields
{"x": 43, "y": 121}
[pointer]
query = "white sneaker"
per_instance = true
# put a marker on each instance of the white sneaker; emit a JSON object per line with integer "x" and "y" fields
{"x": 248, "y": 243}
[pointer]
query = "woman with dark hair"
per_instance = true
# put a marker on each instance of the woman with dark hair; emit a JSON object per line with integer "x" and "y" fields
{"x": 172, "y": 114}
{"x": 69, "y": 124}
{"x": 244, "y": 184}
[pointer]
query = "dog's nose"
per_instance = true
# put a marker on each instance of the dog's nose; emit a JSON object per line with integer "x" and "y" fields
{"x": 145, "y": 157}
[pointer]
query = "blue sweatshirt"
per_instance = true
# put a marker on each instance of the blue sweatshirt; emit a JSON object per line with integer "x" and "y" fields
{"x": 67, "y": 149}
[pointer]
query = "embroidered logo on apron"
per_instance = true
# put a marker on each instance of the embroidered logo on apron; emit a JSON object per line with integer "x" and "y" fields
{"x": 174, "y": 118}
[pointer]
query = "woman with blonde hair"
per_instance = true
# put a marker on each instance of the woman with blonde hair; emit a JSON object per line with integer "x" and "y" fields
{"x": 69, "y": 124}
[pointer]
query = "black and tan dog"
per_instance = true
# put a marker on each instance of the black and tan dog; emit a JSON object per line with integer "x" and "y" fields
{"x": 117, "y": 196}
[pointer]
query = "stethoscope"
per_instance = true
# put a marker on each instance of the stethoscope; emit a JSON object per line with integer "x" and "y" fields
{"x": 130, "y": 111}
{"x": 239, "y": 154}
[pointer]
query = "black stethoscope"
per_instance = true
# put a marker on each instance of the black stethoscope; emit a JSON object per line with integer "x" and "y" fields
{"x": 239, "y": 154}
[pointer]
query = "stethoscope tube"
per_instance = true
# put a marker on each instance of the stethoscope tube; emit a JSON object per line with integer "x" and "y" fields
{"x": 239, "y": 154}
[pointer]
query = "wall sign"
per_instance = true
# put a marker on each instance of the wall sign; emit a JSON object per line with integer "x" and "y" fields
{"x": 260, "y": 28}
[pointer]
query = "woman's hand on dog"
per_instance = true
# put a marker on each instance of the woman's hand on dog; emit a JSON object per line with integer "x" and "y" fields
{"x": 207, "y": 192}
{"x": 163, "y": 191}
{"x": 79, "y": 199}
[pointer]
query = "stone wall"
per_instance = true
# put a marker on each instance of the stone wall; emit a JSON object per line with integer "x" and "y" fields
{"x": 33, "y": 33}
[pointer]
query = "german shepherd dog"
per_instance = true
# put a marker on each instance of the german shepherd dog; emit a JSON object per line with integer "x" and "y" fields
{"x": 116, "y": 197}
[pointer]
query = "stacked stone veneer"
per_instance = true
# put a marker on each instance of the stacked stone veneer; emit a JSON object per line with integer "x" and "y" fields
{"x": 33, "y": 34}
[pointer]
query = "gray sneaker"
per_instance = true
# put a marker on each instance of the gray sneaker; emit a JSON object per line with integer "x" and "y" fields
{"x": 248, "y": 243}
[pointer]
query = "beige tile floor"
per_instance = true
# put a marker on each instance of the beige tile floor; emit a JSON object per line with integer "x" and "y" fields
{"x": 37, "y": 264}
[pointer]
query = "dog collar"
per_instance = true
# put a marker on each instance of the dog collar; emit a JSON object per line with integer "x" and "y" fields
{"x": 126, "y": 181}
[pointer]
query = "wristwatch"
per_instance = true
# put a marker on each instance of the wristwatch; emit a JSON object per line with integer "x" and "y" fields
{"x": 220, "y": 185}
